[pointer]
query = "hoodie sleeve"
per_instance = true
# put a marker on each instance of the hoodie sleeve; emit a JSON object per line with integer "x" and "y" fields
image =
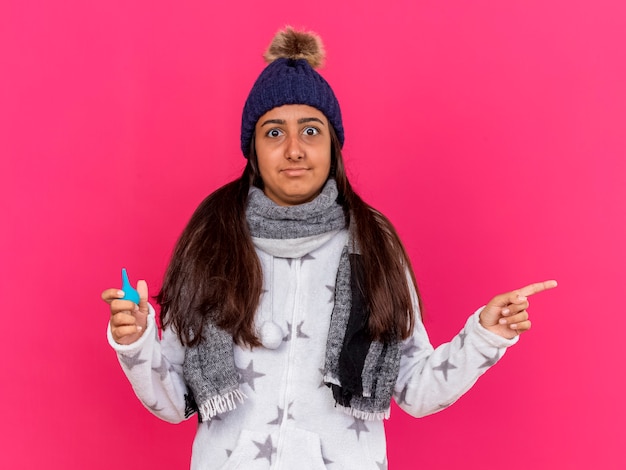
{"x": 154, "y": 368}
{"x": 432, "y": 379}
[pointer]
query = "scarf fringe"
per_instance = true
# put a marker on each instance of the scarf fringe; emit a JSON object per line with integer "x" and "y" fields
{"x": 331, "y": 379}
{"x": 220, "y": 404}
{"x": 365, "y": 415}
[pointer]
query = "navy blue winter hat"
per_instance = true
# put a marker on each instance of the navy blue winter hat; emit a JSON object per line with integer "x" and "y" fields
{"x": 290, "y": 78}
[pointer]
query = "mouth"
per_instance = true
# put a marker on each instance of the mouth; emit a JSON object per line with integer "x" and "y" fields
{"x": 296, "y": 171}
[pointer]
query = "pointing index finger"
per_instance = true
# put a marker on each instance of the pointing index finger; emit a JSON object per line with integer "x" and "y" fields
{"x": 537, "y": 287}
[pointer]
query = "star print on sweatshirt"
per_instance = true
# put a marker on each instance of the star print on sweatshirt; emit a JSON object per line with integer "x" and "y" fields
{"x": 289, "y": 418}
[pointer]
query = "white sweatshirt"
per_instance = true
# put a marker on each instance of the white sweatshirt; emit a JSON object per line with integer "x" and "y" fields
{"x": 289, "y": 419}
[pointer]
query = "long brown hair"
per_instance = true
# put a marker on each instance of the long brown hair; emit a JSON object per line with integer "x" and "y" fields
{"x": 215, "y": 271}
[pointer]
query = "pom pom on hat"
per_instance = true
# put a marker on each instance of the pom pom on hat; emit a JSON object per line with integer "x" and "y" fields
{"x": 290, "y": 78}
{"x": 296, "y": 45}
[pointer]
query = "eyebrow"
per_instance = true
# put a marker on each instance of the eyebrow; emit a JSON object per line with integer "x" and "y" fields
{"x": 300, "y": 121}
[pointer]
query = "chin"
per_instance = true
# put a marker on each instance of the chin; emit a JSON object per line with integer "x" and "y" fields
{"x": 298, "y": 198}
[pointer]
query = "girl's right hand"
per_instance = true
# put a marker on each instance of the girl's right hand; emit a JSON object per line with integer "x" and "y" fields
{"x": 128, "y": 320}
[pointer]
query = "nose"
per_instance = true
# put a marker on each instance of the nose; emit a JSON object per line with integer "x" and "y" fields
{"x": 294, "y": 150}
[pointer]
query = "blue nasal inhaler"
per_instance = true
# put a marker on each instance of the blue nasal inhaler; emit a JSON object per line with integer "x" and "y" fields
{"x": 130, "y": 293}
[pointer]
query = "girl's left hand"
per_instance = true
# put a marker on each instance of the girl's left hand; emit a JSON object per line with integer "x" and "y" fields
{"x": 506, "y": 315}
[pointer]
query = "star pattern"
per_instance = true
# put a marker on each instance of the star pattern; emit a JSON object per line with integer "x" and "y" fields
{"x": 332, "y": 294}
{"x": 410, "y": 348}
{"x": 462, "y": 336}
{"x": 402, "y": 396}
{"x": 306, "y": 258}
{"x": 163, "y": 369}
{"x": 444, "y": 367}
{"x": 288, "y": 335}
{"x": 358, "y": 426}
{"x": 266, "y": 449}
{"x": 489, "y": 361}
{"x": 299, "y": 333}
{"x": 281, "y": 415}
{"x": 248, "y": 375}
{"x": 132, "y": 361}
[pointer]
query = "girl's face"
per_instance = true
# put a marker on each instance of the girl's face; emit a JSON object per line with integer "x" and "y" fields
{"x": 292, "y": 145}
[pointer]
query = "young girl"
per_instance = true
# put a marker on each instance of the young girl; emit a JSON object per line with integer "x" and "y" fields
{"x": 289, "y": 310}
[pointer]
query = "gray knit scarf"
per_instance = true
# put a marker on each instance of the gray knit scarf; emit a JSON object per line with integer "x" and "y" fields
{"x": 360, "y": 372}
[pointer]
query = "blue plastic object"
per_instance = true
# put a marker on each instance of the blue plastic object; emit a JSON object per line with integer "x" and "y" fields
{"x": 129, "y": 292}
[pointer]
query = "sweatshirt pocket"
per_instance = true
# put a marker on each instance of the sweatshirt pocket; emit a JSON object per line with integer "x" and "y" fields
{"x": 302, "y": 450}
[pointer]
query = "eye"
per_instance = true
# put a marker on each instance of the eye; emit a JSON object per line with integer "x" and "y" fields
{"x": 274, "y": 133}
{"x": 311, "y": 131}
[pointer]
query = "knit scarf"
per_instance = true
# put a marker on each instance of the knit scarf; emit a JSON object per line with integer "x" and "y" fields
{"x": 360, "y": 372}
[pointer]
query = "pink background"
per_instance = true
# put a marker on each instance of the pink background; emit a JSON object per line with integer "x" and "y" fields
{"x": 491, "y": 133}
